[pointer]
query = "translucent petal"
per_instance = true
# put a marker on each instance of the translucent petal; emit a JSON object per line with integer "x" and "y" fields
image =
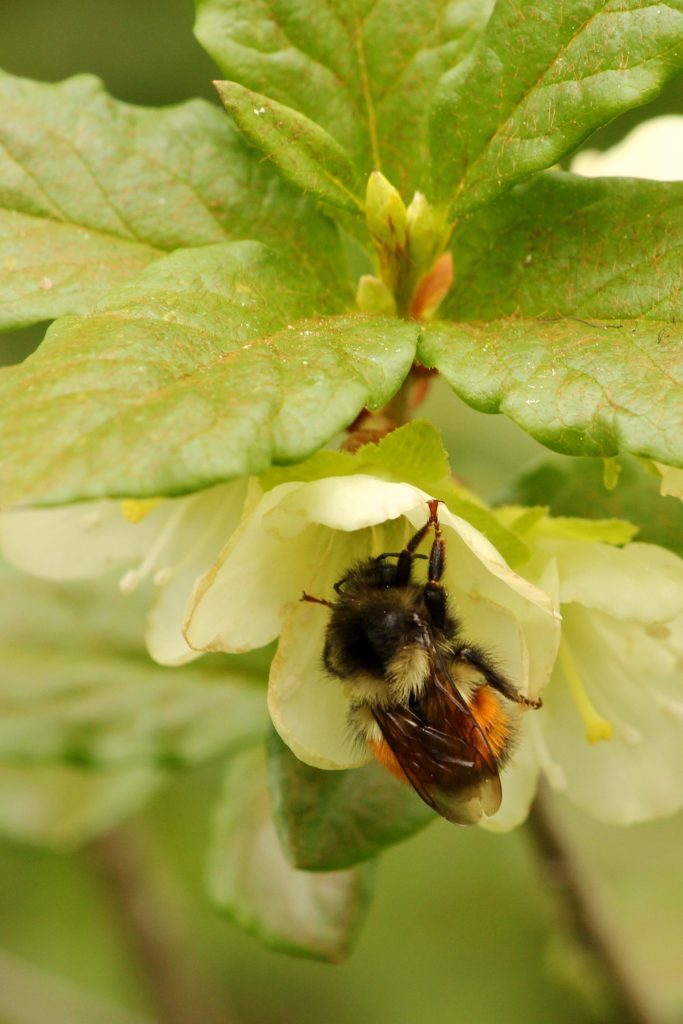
{"x": 237, "y": 604}
{"x": 672, "y": 480}
{"x": 635, "y": 681}
{"x": 209, "y": 518}
{"x": 641, "y": 581}
{"x": 653, "y": 149}
{"x": 519, "y": 779}
{"x": 308, "y": 707}
{"x": 349, "y": 503}
{"x": 77, "y": 541}
{"x": 487, "y": 592}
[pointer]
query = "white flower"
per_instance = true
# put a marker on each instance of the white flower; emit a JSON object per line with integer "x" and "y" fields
{"x": 304, "y": 536}
{"x": 610, "y": 733}
{"x": 653, "y": 149}
{"x": 171, "y": 541}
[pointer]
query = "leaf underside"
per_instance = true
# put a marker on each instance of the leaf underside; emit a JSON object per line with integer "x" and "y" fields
{"x": 333, "y": 819}
{"x": 299, "y": 912}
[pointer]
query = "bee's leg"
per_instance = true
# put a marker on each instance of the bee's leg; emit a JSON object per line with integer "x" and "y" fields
{"x": 316, "y": 600}
{"x": 479, "y": 659}
{"x": 435, "y": 595}
{"x": 405, "y": 558}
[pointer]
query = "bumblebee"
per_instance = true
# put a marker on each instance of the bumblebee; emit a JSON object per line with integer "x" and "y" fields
{"x": 433, "y": 708}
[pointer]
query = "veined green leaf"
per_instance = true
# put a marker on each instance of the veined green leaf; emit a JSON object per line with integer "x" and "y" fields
{"x": 364, "y": 70}
{"x": 329, "y": 820}
{"x": 569, "y": 246}
{"x": 92, "y": 190}
{"x": 200, "y": 370}
{"x": 300, "y": 912}
{"x": 546, "y": 73}
{"x": 300, "y": 148}
{"x": 580, "y": 388}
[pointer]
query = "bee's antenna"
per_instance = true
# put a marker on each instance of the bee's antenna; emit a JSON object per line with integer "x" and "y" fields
{"x": 315, "y": 600}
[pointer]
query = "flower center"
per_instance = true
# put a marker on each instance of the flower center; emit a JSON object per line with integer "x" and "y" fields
{"x": 135, "y": 509}
{"x": 597, "y": 728}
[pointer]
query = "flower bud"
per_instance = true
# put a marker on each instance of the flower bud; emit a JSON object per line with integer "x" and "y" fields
{"x": 373, "y": 297}
{"x": 427, "y": 233}
{"x": 385, "y": 212}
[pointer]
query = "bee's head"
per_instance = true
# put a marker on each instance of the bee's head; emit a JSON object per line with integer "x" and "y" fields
{"x": 369, "y": 638}
{"x": 373, "y": 574}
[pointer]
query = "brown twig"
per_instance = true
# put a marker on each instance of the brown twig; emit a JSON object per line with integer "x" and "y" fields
{"x": 153, "y": 930}
{"x": 577, "y": 896}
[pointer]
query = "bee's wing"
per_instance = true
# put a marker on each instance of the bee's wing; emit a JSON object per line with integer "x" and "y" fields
{"x": 443, "y": 751}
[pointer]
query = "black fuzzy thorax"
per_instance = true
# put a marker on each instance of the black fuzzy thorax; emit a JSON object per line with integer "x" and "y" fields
{"x": 375, "y": 617}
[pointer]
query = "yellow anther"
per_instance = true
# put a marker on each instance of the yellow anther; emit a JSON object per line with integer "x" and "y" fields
{"x": 597, "y": 728}
{"x": 135, "y": 509}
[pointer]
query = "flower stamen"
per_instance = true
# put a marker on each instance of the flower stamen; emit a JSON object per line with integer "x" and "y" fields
{"x": 134, "y": 577}
{"x": 597, "y": 728}
{"x": 135, "y": 509}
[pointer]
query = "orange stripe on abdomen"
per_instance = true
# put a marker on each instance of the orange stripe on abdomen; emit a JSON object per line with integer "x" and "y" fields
{"x": 385, "y": 755}
{"x": 492, "y": 719}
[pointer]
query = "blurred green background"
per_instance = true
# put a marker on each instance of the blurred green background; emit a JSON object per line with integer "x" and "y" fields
{"x": 461, "y": 929}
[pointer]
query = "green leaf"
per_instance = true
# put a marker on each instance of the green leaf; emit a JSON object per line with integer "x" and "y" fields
{"x": 92, "y": 190}
{"x": 535, "y": 520}
{"x": 306, "y": 914}
{"x": 61, "y": 806}
{"x": 577, "y": 489}
{"x": 75, "y": 685}
{"x": 579, "y": 388}
{"x": 545, "y": 75}
{"x": 210, "y": 374}
{"x": 301, "y": 149}
{"x": 329, "y": 820}
{"x": 413, "y": 452}
{"x": 569, "y": 246}
{"x": 364, "y": 71}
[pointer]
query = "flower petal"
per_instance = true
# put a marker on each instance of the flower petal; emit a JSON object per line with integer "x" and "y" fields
{"x": 519, "y": 780}
{"x": 308, "y": 708}
{"x": 653, "y": 149}
{"x": 641, "y": 581}
{"x": 77, "y": 541}
{"x": 208, "y": 518}
{"x": 239, "y": 603}
{"x": 672, "y": 480}
{"x": 350, "y": 503}
{"x": 510, "y": 616}
{"x": 635, "y": 680}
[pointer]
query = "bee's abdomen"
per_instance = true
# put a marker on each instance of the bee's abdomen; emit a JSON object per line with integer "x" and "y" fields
{"x": 494, "y": 721}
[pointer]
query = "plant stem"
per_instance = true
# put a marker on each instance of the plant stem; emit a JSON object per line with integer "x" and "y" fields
{"x": 576, "y": 894}
{"x": 153, "y": 930}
